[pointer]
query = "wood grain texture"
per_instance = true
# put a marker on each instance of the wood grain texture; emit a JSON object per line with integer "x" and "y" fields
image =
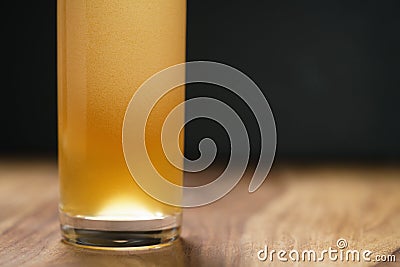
{"x": 298, "y": 207}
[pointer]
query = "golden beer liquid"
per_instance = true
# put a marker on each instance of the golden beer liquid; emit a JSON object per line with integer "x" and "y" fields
{"x": 106, "y": 50}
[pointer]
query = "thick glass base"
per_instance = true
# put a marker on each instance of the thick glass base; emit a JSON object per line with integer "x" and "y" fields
{"x": 118, "y": 234}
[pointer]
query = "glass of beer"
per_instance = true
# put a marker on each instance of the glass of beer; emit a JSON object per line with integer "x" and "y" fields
{"x": 106, "y": 50}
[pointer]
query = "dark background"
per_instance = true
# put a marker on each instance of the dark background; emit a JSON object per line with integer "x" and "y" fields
{"x": 329, "y": 69}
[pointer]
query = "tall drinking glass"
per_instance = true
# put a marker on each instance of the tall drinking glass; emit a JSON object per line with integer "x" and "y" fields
{"x": 106, "y": 50}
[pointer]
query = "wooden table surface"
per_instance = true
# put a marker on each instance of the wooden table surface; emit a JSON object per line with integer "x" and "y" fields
{"x": 299, "y": 207}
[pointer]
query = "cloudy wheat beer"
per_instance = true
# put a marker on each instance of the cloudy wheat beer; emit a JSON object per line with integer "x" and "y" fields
{"x": 106, "y": 50}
